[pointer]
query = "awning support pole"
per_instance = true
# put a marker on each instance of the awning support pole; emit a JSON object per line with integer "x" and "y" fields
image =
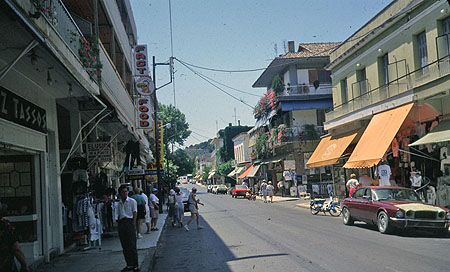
{"x": 25, "y": 51}
{"x": 109, "y": 143}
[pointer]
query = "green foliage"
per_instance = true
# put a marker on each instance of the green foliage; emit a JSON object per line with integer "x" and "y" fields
{"x": 204, "y": 145}
{"x": 183, "y": 162}
{"x": 224, "y": 169}
{"x": 206, "y": 171}
{"x": 261, "y": 147}
{"x": 310, "y": 132}
{"x": 179, "y": 129}
{"x": 277, "y": 84}
{"x": 226, "y": 152}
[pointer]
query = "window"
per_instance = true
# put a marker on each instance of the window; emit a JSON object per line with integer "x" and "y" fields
{"x": 324, "y": 76}
{"x": 384, "y": 69}
{"x": 344, "y": 91}
{"x": 422, "y": 51}
{"x": 362, "y": 81}
{"x": 358, "y": 194}
{"x": 446, "y": 34}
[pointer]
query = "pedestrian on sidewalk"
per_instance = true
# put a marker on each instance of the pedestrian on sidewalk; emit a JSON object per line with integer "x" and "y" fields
{"x": 147, "y": 219}
{"x": 264, "y": 190}
{"x": 352, "y": 184}
{"x": 171, "y": 201}
{"x": 179, "y": 206}
{"x": 193, "y": 207}
{"x": 282, "y": 187}
{"x": 270, "y": 191}
{"x": 154, "y": 208}
{"x": 126, "y": 219}
{"x": 9, "y": 246}
{"x": 140, "y": 210}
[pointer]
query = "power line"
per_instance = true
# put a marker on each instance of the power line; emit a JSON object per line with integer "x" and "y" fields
{"x": 217, "y": 87}
{"x": 363, "y": 36}
{"x": 200, "y": 135}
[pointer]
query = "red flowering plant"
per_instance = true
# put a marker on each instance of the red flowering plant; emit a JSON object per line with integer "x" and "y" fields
{"x": 89, "y": 55}
{"x": 265, "y": 104}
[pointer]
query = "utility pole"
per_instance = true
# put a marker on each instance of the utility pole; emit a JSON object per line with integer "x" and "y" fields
{"x": 155, "y": 118}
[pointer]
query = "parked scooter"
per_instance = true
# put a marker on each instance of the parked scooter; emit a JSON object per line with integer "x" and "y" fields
{"x": 250, "y": 196}
{"x": 319, "y": 205}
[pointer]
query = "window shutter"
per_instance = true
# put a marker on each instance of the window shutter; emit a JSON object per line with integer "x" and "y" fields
{"x": 312, "y": 76}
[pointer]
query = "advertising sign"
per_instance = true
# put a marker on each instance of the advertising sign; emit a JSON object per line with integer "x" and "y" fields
{"x": 152, "y": 166}
{"x": 289, "y": 165}
{"x": 98, "y": 151}
{"x": 141, "y": 60}
{"x": 144, "y": 114}
{"x": 145, "y": 86}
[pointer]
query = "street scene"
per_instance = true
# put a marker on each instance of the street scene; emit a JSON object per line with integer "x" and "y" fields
{"x": 170, "y": 135}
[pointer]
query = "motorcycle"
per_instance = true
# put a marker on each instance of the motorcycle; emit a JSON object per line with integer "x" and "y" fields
{"x": 250, "y": 196}
{"x": 318, "y": 205}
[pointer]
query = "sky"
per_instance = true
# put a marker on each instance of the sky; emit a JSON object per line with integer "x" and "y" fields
{"x": 234, "y": 35}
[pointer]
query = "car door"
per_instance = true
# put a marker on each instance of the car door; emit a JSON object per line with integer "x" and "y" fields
{"x": 367, "y": 206}
{"x": 355, "y": 203}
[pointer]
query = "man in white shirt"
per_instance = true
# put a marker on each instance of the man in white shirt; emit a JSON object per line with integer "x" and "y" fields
{"x": 126, "y": 219}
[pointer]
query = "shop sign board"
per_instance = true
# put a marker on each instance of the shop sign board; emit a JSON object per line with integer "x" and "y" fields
{"x": 21, "y": 111}
{"x": 153, "y": 165}
{"x": 145, "y": 86}
{"x": 289, "y": 165}
{"x": 141, "y": 60}
{"x": 99, "y": 151}
{"x": 144, "y": 114}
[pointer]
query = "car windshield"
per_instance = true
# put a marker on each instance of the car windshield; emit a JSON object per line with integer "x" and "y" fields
{"x": 396, "y": 194}
{"x": 222, "y": 186}
{"x": 242, "y": 187}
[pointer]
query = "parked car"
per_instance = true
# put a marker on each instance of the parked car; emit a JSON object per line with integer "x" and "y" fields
{"x": 391, "y": 208}
{"x": 239, "y": 190}
{"x": 209, "y": 188}
{"x": 185, "y": 193}
{"x": 221, "y": 189}
{"x": 213, "y": 188}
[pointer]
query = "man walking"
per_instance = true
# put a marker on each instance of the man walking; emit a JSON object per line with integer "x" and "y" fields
{"x": 126, "y": 219}
{"x": 281, "y": 186}
{"x": 154, "y": 208}
{"x": 140, "y": 210}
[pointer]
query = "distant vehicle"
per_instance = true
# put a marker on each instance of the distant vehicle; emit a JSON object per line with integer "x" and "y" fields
{"x": 213, "y": 188}
{"x": 182, "y": 180}
{"x": 239, "y": 190}
{"x": 391, "y": 208}
{"x": 221, "y": 189}
{"x": 189, "y": 178}
{"x": 209, "y": 188}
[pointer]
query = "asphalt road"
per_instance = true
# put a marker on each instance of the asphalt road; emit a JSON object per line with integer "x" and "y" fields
{"x": 242, "y": 235}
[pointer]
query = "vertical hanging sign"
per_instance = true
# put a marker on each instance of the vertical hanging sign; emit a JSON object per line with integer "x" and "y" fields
{"x": 141, "y": 60}
{"x": 144, "y": 115}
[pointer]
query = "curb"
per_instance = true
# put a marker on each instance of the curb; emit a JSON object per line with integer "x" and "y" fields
{"x": 149, "y": 261}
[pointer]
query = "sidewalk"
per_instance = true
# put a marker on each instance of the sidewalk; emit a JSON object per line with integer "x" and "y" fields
{"x": 107, "y": 257}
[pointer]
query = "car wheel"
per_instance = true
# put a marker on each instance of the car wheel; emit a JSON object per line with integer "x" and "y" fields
{"x": 383, "y": 223}
{"x": 348, "y": 219}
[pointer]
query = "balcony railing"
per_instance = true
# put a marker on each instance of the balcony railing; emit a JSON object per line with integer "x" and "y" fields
{"x": 60, "y": 19}
{"x": 305, "y": 89}
{"x": 400, "y": 81}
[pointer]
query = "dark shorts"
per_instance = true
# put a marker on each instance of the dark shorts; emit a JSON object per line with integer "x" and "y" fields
{"x": 140, "y": 211}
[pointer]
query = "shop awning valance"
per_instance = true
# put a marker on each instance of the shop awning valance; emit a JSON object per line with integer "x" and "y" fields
{"x": 211, "y": 174}
{"x": 441, "y": 133}
{"x": 254, "y": 171}
{"x": 330, "y": 149}
{"x": 232, "y": 173}
{"x": 377, "y": 137}
{"x": 243, "y": 175}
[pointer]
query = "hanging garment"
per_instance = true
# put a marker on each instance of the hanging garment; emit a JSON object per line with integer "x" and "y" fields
{"x": 415, "y": 179}
{"x": 431, "y": 195}
{"x": 315, "y": 188}
{"x": 384, "y": 172}
{"x": 395, "y": 147}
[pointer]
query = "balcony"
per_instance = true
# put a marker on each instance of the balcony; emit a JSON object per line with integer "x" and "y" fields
{"x": 401, "y": 80}
{"x": 306, "y": 89}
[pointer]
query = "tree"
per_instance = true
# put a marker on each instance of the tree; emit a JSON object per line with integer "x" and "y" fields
{"x": 206, "y": 171}
{"x": 224, "y": 169}
{"x": 277, "y": 84}
{"x": 183, "y": 162}
{"x": 226, "y": 152}
{"x": 179, "y": 131}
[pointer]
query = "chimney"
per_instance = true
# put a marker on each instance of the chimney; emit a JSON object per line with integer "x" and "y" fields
{"x": 239, "y": 122}
{"x": 230, "y": 124}
{"x": 291, "y": 47}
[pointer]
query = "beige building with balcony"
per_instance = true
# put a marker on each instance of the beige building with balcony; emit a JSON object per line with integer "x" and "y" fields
{"x": 391, "y": 87}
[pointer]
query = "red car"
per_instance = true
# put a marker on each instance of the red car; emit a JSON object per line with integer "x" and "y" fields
{"x": 391, "y": 208}
{"x": 239, "y": 190}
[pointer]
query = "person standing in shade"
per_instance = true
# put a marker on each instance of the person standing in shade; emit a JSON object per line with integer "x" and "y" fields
{"x": 126, "y": 219}
{"x": 140, "y": 210}
{"x": 154, "y": 208}
{"x": 270, "y": 191}
{"x": 147, "y": 212}
{"x": 264, "y": 190}
{"x": 193, "y": 207}
{"x": 171, "y": 201}
{"x": 352, "y": 184}
{"x": 179, "y": 206}
{"x": 282, "y": 187}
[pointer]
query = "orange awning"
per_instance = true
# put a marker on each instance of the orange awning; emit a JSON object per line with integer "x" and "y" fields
{"x": 330, "y": 149}
{"x": 378, "y": 137}
{"x": 243, "y": 175}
